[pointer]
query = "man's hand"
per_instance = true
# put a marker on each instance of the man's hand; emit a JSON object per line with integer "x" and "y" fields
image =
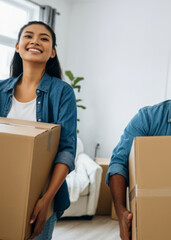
{"x": 125, "y": 222}
{"x": 38, "y": 217}
{"x": 118, "y": 190}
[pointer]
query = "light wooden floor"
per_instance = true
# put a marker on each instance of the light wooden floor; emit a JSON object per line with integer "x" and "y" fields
{"x": 100, "y": 228}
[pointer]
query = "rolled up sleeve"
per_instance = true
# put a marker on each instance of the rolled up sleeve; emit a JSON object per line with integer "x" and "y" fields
{"x": 138, "y": 126}
{"x": 67, "y": 118}
{"x": 66, "y": 158}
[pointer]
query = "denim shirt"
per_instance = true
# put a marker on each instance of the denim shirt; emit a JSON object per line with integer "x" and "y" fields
{"x": 149, "y": 121}
{"x": 55, "y": 103}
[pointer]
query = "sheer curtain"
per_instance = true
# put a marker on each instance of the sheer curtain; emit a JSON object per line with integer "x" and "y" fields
{"x": 48, "y": 15}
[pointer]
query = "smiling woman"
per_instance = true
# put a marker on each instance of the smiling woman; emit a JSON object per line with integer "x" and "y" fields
{"x": 35, "y": 86}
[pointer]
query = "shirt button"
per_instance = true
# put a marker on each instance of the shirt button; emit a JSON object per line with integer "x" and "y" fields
{"x": 38, "y": 91}
{"x": 39, "y": 102}
{"x": 39, "y": 120}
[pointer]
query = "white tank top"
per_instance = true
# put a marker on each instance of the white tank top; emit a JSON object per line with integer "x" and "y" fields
{"x": 23, "y": 111}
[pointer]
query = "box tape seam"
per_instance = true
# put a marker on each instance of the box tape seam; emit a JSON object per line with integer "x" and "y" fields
{"x": 160, "y": 192}
{"x": 23, "y": 125}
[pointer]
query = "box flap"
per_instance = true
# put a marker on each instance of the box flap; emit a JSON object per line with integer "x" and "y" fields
{"x": 27, "y": 123}
{"x": 20, "y": 130}
{"x": 24, "y": 128}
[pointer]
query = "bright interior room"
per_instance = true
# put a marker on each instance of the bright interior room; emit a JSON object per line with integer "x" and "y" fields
{"x": 118, "y": 52}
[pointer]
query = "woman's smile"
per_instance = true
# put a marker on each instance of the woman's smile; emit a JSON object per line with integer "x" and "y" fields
{"x": 34, "y": 50}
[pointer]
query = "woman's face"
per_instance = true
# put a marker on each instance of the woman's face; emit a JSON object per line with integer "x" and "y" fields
{"x": 35, "y": 44}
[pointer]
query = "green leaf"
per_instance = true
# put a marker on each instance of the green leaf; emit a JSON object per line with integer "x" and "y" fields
{"x": 74, "y": 83}
{"x": 69, "y": 75}
{"x": 76, "y": 87}
{"x": 78, "y": 100}
{"x": 81, "y": 106}
{"x": 77, "y": 80}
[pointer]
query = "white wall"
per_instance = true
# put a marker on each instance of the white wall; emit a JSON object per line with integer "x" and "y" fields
{"x": 121, "y": 48}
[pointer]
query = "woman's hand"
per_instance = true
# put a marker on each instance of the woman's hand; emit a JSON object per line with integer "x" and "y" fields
{"x": 39, "y": 216}
{"x": 125, "y": 221}
{"x": 41, "y": 209}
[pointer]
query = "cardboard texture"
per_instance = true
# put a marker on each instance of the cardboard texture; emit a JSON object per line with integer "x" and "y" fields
{"x": 150, "y": 188}
{"x": 105, "y": 200}
{"x": 27, "y": 151}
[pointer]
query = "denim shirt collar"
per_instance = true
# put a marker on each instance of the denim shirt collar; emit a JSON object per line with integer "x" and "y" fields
{"x": 43, "y": 85}
{"x": 11, "y": 85}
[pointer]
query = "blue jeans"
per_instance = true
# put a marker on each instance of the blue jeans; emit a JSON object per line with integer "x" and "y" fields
{"x": 49, "y": 227}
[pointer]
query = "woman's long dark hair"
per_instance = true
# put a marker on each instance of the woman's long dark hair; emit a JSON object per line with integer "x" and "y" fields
{"x": 53, "y": 67}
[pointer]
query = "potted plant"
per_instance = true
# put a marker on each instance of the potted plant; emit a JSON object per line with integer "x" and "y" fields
{"x": 75, "y": 83}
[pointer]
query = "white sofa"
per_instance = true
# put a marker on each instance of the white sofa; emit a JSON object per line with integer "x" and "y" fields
{"x": 84, "y": 185}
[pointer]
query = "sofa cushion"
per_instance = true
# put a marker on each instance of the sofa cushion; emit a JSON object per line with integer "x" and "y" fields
{"x": 78, "y": 182}
{"x": 86, "y": 191}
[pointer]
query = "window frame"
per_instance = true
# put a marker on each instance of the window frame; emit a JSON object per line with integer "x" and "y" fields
{"x": 28, "y": 7}
{"x": 32, "y": 12}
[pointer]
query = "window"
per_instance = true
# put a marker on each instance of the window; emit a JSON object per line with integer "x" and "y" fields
{"x": 13, "y": 15}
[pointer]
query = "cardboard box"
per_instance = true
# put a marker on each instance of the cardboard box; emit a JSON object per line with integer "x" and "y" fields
{"x": 150, "y": 188}
{"x": 27, "y": 151}
{"x": 105, "y": 199}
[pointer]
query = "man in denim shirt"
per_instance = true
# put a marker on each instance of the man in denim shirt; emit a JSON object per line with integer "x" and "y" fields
{"x": 149, "y": 121}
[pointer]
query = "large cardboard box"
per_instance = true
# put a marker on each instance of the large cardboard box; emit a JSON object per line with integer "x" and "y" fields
{"x": 27, "y": 151}
{"x": 150, "y": 188}
{"x": 105, "y": 200}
